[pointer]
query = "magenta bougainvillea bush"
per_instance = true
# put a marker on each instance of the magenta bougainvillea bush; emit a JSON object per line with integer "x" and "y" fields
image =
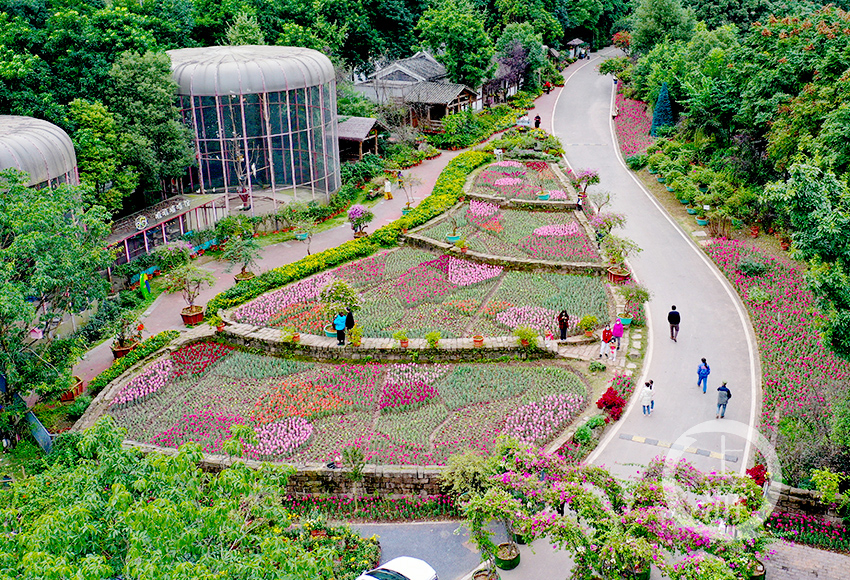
{"x": 632, "y": 126}
{"x": 406, "y": 413}
{"x": 420, "y": 292}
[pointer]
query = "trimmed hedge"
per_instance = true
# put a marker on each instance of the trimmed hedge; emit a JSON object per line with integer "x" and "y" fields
{"x": 447, "y": 191}
{"x": 145, "y": 349}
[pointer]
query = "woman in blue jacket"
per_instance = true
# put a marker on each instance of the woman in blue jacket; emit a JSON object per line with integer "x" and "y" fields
{"x": 339, "y": 325}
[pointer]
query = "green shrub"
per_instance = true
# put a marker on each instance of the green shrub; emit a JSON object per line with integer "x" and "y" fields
{"x": 637, "y": 162}
{"x": 751, "y": 266}
{"x": 596, "y": 421}
{"x": 615, "y": 65}
{"x": 583, "y": 435}
{"x": 596, "y": 366}
{"x": 79, "y": 406}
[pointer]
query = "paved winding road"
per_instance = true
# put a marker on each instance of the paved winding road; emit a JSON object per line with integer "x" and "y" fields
{"x": 714, "y": 323}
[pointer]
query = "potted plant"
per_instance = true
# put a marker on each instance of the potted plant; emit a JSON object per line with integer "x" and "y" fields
{"x": 543, "y": 195}
{"x": 462, "y": 245}
{"x": 453, "y": 237}
{"x": 290, "y": 334}
{"x": 189, "y": 280}
{"x": 359, "y": 216}
{"x": 128, "y": 334}
{"x": 635, "y": 295}
{"x": 433, "y": 339}
{"x": 304, "y": 230}
{"x": 406, "y": 209}
{"x": 478, "y": 341}
{"x": 691, "y": 210}
{"x": 526, "y": 336}
{"x": 588, "y": 324}
{"x": 355, "y": 335}
{"x": 401, "y": 337}
{"x": 244, "y": 252}
{"x": 617, "y": 249}
{"x": 702, "y": 219}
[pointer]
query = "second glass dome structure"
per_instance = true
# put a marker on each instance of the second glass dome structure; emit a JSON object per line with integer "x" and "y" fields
{"x": 263, "y": 118}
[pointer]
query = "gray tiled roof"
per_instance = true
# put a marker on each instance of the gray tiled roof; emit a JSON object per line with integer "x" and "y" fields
{"x": 424, "y": 67}
{"x": 355, "y": 128}
{"x": 434, "y": 93}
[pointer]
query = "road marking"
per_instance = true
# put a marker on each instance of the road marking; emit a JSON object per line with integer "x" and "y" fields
{"x": 668, "y": 445}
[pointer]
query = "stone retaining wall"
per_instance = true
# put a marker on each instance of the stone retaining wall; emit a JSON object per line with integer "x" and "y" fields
{"x": 801, "y": 501}
{"x": 322, "y": 347}
{"x": 317, "y": 479}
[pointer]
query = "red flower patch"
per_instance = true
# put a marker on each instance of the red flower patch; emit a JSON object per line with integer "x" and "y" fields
{"x": 195, "y": 358}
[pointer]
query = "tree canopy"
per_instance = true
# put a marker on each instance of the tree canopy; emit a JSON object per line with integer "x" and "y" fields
{"x": 52, "y": 248}
{"x": 454, "y": 32}
{"x": 100, "y": 512}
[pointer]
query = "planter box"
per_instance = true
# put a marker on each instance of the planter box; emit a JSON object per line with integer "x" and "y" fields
{"x": 119, "y": 351}
{"x": 618, "y": 275}
{"x": 192, "y": 315}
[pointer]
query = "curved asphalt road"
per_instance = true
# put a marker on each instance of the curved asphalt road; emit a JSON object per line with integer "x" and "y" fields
{"x": 714, "y": 323}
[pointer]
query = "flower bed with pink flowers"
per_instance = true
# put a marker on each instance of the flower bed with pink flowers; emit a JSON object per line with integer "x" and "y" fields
{"x": 413, "y": 290}
{"x": 551, "y": 235}
{"x": 632, "y": 126}
{"x": 802, "y": 381}
{"x": 519, "y": 180}
{"x": 405, "y": 413}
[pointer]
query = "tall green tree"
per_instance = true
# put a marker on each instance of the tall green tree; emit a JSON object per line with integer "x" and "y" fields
{"x": 454, "y": 32}
{"x": 658, "y": 20}
{"x": 100, "y": 155}
{"x": 534, "y": 13}
{"x": 662, "y": 113}
{"x": 523, "y": 36}
{"x": 52, "y": 250}
{"x": 816, "y": 204}
{"x": 142, "y": 95}
{"x": 244, "y": 30}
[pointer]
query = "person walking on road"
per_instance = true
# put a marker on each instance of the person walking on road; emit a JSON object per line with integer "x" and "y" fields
{"x": 617, "y": 332}
{"x": 606, "y": 338}
{"x": 537, "y": 120}
{"x": 563, "y": 323}
{"x": 673, "y": 318}
{"x": 647, "y": 399}
{"x": 703, "y": 370}
{"x": 723, "y": 396}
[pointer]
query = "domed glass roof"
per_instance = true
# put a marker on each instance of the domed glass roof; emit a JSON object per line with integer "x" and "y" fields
{"x": 40, "y": 148}
{"x": 243, "y": 70}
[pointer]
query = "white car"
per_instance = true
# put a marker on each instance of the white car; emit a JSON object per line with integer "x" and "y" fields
{"x": 401, "y": 568}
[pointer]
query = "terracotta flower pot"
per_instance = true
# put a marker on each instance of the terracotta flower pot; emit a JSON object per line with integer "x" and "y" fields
{"x": 478, "y": 340}
{"x": 523, "y": 342}
{"x": 220, "y": 327}
{"x": 618, "y": 275}
{"x": 296, "y": 337}
{"x": 119, "y": 351}
{"x": 404, "y": 343}
{"x": 192, "y": 315}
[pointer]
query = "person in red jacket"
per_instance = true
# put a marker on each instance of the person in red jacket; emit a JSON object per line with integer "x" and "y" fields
{"x": 607, "y": 336}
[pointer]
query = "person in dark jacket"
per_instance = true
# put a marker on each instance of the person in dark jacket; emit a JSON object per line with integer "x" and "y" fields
{"x": 723, "y": 396}
{"x": 349, "y": 319}
{"x": 537, "y": 122}
{"x": 673, "y": 318}
{"x": 563, "y": 323}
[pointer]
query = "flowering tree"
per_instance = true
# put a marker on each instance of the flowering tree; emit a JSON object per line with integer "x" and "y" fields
{"x": 612, "y": 528}
{"x": 582, "y": 178}
{"x": 623, "y": 41}
{"x": 359, "y": 216}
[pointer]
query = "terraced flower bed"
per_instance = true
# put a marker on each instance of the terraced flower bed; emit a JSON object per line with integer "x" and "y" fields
{"x": 552, "y": 235}
{"x": 414, "y": 290}
{"x": 520, "y": 180}
{"x": 397, "y": 413}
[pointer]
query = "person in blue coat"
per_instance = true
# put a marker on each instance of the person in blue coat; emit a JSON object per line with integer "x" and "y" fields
{"x": 339, "y": 325}
{"x": 703, "y": 370}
